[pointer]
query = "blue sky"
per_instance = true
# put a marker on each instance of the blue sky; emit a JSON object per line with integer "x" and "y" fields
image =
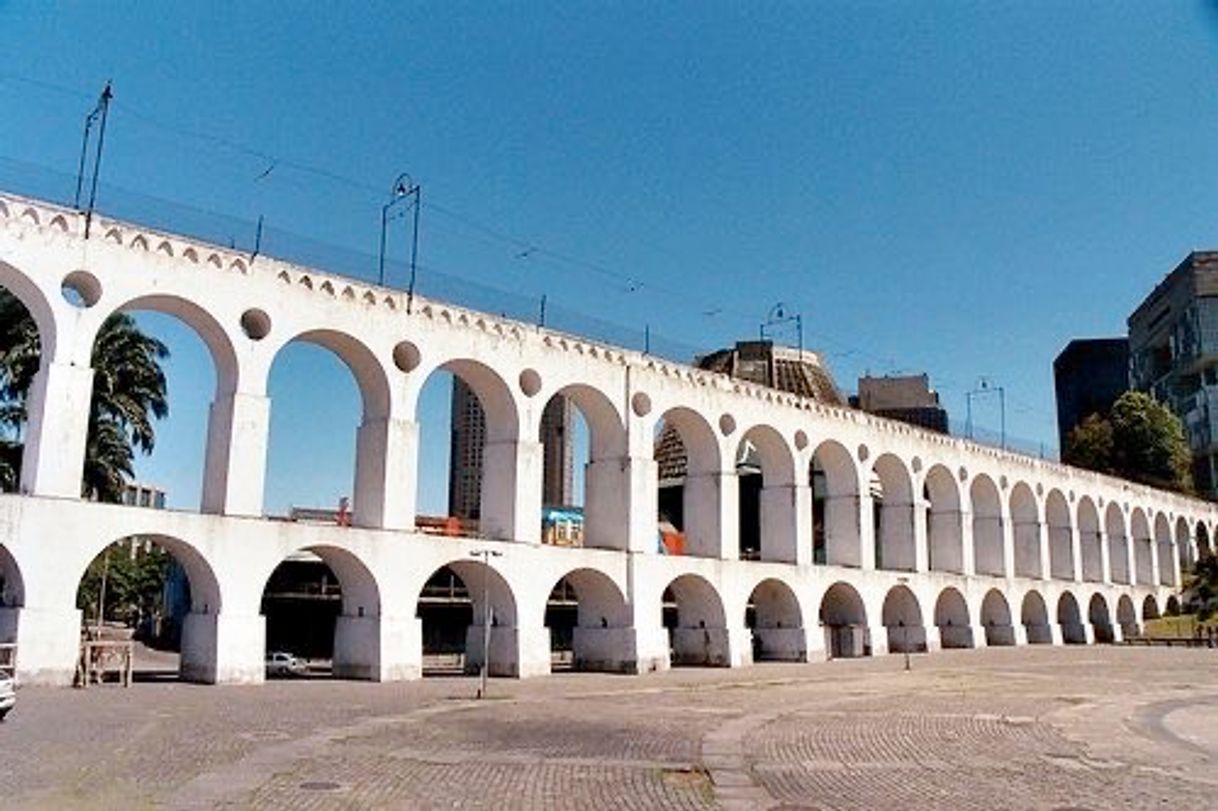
{"x": 956, "y": 188}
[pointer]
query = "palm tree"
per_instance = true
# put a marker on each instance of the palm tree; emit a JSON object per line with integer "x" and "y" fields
{"x": 128, "y": 394}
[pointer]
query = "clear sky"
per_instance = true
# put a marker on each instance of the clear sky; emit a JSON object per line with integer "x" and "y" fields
{"x": 956, "y": 188}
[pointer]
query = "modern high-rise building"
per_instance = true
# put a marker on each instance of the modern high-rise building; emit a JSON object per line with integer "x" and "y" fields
{"x": 1173, "y": 352}
{"x": 1088, "y": 377}
{"x": 469, "y": 437}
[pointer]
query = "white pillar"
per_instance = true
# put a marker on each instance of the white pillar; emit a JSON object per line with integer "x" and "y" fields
{"x": 607, "y": 502}
{"x": 48, "y": 644}
{"x": 56, "y": 429}
{"x": 844, "y": 543}
{"x": 1006, "y": 532}
{"x": 1155, "y": 563}
{"x": 711, "y": 520}
{"x": 1105, "y": 557}
{"x": 517, "y": 652}
{"x": 1044, "y": 545}
{"x": 386, "y": 458}
{"x": 378, "y": 648}
{"x": 785, "y": 522}
{"x": 921, "y": 534}
{"x": 967, "y": 548}
{"x": 867, "y": 539}
{"x": 224, "y": 648}
{"x": 234, "y": 467}
{"x": 1076, "y": 555}
{"x": 511, "y": 490}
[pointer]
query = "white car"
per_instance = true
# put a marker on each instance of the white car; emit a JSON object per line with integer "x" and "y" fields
{"x": 8, "y": 696}
{"x": 281, "y": 663}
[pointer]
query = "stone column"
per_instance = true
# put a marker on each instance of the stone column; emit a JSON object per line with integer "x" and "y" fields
{"x": 53, "y": 458}
{"x": 867, "y": 538}
{"x": 514, "y": 651}
{"x": 1076, "y": 554}
{"x": 386, "y": 458}
{"x": 921, "y": 532}
{"x": 1006, "y": 531}
{"x": 786, "y": 528}
{"x": 1105, "y": 557}
{"x": 1155, "y": 563}
{"x": 967, "y": 547}
{"x": 378, "y": 648}
{"x": 844, "y": 544}
{"x": 511, "y": 490}
{"x": 607, "y": 502}
{"x": 224, "y": 648}
{"x": 711, "y": 521}
{"x": 48, "y": 644}
{"x": 1043, "y": 544}
{"x": 234, "y": 467}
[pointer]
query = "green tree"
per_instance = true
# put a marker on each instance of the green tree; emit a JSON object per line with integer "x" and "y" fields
{"x": 1139, "y": 439}
{"x": 129, "y": 393}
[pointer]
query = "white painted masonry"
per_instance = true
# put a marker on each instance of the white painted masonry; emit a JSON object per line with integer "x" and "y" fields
{"x": 971, "y": 546}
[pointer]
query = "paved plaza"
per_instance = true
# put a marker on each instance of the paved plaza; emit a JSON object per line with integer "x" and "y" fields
{"x": 1027, "y": 728}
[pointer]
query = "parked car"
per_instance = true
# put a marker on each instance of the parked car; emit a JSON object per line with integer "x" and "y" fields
{"x": 282, "y": 663}
{"x": 8, "y": 695}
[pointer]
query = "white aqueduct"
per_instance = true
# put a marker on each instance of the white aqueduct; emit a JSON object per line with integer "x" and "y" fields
{"x": 970, "y": 545}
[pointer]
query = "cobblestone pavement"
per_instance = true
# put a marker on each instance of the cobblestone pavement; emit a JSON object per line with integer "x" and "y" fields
{"x": 1029, "y": 728}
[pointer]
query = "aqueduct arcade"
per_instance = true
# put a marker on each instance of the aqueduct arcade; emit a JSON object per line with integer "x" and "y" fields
{"x": 917, "y": 541}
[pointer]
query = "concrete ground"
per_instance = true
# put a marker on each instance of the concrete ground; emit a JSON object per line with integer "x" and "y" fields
{"x": 1027, "y": 728}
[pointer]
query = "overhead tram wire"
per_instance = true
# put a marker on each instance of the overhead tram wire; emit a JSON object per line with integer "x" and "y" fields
{"x": 630, "y": 282}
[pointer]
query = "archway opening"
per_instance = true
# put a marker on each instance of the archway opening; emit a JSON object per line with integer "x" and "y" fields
{"x": 1164, "y": 555}
{"x": 170, "y": 360}
{"x": 1142, "y": 548}
{"x": 1118, "y": 544}
{"x": 319, "y": 479}
{"x": 468, "y": 434}
{"x": 690, "y": 484}
{"x": 987, "y": 527}
{"x": 1090, "y": 541}
{"x": 1100, "y": 618}
{"x": 156, "y": 598}
{"x": 1186, "y": 556}
{"x": 1203, "y": 541}
{"x": 21, "y": 348}
{"x": 1061, "y": 547}
{"x": 835, "y": 506}
{"x": 774, "y": 617}
{"x": 952, "y": 620}
{"x": 1070, "y": 620}
{"x": 12, "y": 600}
{"x": 694, "y": 617}
{"x": 902, "y": 617}
{"x": 589, "y": 624}
{"x": 1173, "y": 606}
{"x": 765, "y": 475}
{"x": 1127, "y": 617}
{"x": 943, "y": 521}
{"x": 466, "y": 607}
{"x": 1035, "y": 618}
{"x": 892, "y": 513}
{"x": 583, "y": 441}
{"x": 844, "y": 618}
{"x": 322, "y": 609}
{"x": 996, "y": 619}
{"x": 1150, "y": 608}
{"x": 1025, "y": 526}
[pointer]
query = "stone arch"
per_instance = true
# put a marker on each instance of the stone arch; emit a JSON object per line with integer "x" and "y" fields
{"x": 1034, "y": 616}
{"x": 199, "y": 594}
{"x": 1090, "y": 541}
{"x": 1061, "y": 543}
{"x": 1141, "y": 547}
{"x": 1186, "y": 556}
{"x": 353, "y": 639}
{"x": 944, "y": 533}
{"x": 765, "y": 467}
{"x": 996, "y": 619}
{"x": 777, "y": 623}
{"x": 987, "y": 526}
{"x": 481, "y": 445}
{"x": 698, "y": 630}
{"x": 892, "y": 514}
{"x": 370, "y": 375}
{"x": 1100, "y": 618}
{"x": 690, "y": 495}
{"x": 952, "y": 619}
{"x": 835, "y": 505}
{"x": 902, "y": 616}
{"x": 1118, "y": 544}
{"x": 602, "y": 474}
{"x": 27, "y": 291}
{"x": 1070, "y": 619}
{"x": 844, "y": 618}
{"x": 1127, "y": 616}
{"x": 1163, "y": 551}
{"x": 1150, "y": 608}
{"x": 489, "y": 594}
{"x": 1025, "y": 530}
{"x": 601, "y": 622}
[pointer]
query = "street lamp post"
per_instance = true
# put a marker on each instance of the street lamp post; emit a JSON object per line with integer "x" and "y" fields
{"x": 983, "y": 388}
{"x": 487, "y": 614}
{"x": 403, "y": 189}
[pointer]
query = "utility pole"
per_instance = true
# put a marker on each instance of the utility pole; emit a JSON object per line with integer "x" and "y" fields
{"x": 100, "y": 112}
{"x": 487, "y": 614}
